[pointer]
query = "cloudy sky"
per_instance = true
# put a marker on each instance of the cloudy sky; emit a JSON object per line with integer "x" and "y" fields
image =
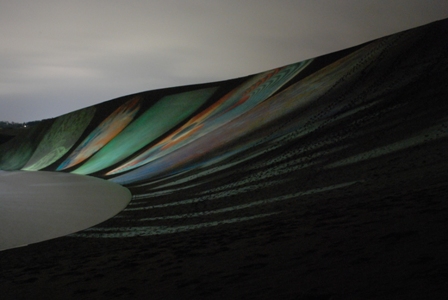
{"x": 58, "y": 56}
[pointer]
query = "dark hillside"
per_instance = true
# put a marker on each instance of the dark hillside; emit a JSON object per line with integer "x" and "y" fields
{"x": 324, "y": 179}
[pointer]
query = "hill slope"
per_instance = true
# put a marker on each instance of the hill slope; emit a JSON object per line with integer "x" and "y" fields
{"x": 324, "y": 179}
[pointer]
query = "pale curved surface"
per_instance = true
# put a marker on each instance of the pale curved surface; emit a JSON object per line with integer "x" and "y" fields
{"x": 37, "y": 206}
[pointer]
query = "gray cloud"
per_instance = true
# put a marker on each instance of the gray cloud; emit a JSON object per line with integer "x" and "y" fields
{"x": 59, "y": 56}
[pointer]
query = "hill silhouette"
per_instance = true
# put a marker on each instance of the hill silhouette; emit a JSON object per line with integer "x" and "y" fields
{"x": 323, "y": 179}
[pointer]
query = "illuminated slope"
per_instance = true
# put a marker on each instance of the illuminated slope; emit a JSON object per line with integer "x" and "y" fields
{"x": 262, "y": 132}
{"x": 325, "y": 179}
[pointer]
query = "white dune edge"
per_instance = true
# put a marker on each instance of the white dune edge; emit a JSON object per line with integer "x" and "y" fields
{"x": 38, "y": 206}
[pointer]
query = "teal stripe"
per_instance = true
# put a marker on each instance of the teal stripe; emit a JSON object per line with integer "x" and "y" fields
{"x": 62, "y": 135}
{"x": 157, "y": 120}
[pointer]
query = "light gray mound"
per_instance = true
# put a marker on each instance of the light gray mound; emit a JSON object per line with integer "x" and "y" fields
{"x": 37, "y": 206}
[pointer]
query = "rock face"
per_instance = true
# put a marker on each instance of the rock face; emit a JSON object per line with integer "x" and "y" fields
{"x": 324, "y": 179}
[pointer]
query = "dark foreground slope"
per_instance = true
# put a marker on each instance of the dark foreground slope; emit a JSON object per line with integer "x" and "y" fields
{"x": 325, "y": 179}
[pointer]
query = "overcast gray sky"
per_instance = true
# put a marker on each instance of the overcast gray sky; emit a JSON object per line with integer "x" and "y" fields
{"x": 58, "y": 56}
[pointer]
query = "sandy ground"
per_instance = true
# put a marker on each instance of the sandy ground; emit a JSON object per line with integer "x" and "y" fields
{"x": 383, "y": 237}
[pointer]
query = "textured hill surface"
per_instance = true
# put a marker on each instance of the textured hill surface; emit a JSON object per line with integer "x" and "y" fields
{"x": 324, "y": 179}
